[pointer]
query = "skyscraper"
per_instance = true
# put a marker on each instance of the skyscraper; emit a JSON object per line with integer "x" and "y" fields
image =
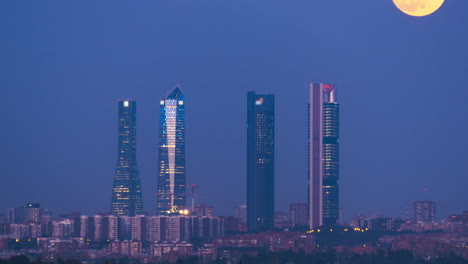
{"x": 171, "y": 194}
{"x": 126, "y": 194}
{"x": 260, "y": 161}
{"x": 323, "y": 155}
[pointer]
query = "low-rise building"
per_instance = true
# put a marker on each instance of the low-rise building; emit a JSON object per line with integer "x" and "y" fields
{"x": 126, "y": 248}
{"x": 171, "y": 251}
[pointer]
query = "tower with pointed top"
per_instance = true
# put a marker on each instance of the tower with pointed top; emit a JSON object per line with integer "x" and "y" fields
{"x": 126, "y": 193}
{"x": 171, "y": 196}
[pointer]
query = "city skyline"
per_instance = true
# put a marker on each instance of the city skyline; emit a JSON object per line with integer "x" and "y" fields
{"x": 175, "y": 98}
{"x": 402, "y": 84}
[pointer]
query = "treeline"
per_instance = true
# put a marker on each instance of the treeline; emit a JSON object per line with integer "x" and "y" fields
{"x": 396, "y": 257}
{"x": 22, "y": 259}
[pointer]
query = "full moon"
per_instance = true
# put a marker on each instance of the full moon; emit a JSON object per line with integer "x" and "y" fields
{"x": 418, "y": 8}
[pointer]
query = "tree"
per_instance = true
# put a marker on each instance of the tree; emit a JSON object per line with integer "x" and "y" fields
{"x": 21, "y": 259}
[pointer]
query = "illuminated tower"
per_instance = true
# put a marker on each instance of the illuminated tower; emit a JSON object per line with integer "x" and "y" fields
{"x": 126, "y": 194}
{"x": 260, "y": 161}
{"x": 323, "y": 155}
{"x": 171, "y": 194}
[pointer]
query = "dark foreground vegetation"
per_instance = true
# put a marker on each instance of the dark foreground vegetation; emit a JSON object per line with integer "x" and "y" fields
{"x": 397, "y": 257}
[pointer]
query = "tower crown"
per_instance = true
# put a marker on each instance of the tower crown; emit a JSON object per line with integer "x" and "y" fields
{"x": 177, "y": 93}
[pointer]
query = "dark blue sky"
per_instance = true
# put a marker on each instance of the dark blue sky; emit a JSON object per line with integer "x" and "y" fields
{"x": 403, "y": 87}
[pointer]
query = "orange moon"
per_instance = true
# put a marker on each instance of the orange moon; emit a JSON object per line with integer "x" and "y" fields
{"x": 418, "y": 8}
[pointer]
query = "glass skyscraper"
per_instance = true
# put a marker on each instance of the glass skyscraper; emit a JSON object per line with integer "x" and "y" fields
{"x": 126, "y": 194}
{"x": 171, "y": 196}
{"x": 260, "y": 161}
{"x": 323, "y": 155}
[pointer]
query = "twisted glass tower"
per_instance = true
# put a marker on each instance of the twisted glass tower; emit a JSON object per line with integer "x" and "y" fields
{"x": 323, "y": 155}
{"x": 171, "y": 196}
{"x": 126, "y": 194}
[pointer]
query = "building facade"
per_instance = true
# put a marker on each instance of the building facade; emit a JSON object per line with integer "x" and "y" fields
{"x": 241, "y": 213}
{"x": 171, "y": 195}
{"x": 29, "y": 213}
{"x": 260, "y": 161}
{"x": 424, "y": 211}
{"x": 298, "y": 214}
{"x": 323, "y": 155}
{"x": 126, "y": 193}
{"x": 204, "y": 210}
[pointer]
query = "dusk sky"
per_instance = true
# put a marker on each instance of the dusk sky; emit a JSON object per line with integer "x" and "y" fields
{"x": 402, "y": 84}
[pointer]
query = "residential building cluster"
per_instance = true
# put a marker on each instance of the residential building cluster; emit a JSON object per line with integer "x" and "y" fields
{"x": 429, "y": 246}
{"x": 160, "y": 228}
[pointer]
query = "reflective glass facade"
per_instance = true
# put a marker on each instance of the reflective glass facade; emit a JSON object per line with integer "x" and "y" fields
{"x": 260, "y": 161}
{"x": 171, "y": 194}
{"x": 323, "y": 155}
{"x": 126, "y": 193}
